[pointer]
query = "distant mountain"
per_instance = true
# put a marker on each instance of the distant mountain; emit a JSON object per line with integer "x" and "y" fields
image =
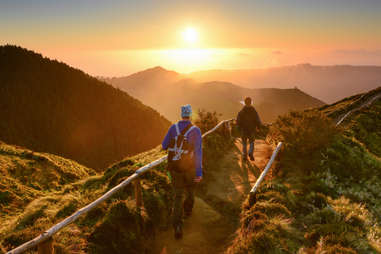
{"x": 48, "y": 106}
{"x": 167, "y": 90}
{"x": 328, "y": 83}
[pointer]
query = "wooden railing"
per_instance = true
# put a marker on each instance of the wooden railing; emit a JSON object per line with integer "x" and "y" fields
{"x": 252, "y": 198}
{"x": 44, "y": 241}
{"x": 366, "y": 103}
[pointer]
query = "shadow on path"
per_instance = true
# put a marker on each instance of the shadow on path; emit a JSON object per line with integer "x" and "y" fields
{"x": 215, "y": 217}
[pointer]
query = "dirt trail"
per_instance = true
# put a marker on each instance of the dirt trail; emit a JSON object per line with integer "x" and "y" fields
{"x": 209, "y": 230}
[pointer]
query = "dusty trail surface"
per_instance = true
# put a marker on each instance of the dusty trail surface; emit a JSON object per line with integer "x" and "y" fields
{"x": 215, "y": 213}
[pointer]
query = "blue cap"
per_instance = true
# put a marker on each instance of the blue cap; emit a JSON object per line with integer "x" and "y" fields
{"x": 186, "y": 111}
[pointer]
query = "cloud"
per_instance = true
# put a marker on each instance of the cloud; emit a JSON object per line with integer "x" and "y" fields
{"x": 245, "y": 54}
{"x": 277, "y": 52}
{"x": 359, "y": 52}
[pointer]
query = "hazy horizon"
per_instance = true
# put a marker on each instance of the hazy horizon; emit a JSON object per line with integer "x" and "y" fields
{"x": 118, "y": 38}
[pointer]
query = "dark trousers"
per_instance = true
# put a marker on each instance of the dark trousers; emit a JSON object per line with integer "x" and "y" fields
{"x": 244, "y": 145}
{"x": 183, "y": 185}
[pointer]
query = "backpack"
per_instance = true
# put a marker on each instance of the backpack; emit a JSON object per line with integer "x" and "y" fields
{"x": 180, "y": 152}
{"x": 248, "y": 121}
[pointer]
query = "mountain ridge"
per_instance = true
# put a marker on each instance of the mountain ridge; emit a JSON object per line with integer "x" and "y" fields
{"x": 168, "y": 90}
{"x": 48, "y": 106}
{"x": 328, "y": 83}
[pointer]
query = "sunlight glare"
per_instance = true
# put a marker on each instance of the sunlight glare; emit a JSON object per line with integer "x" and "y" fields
{"x": 190, "y": 35}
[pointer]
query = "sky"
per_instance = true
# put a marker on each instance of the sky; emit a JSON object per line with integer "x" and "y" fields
{"x": 117, "y": 38}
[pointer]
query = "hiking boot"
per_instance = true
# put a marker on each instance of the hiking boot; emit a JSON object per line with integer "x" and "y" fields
{"x": 252, "y": 157}
{"x": 178, "y": 232}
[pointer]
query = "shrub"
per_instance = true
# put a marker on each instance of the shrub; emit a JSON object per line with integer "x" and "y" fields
{"x": 206, "y": 120}
{"x": 123, "y": 228}
{"x": 304, "y": 135}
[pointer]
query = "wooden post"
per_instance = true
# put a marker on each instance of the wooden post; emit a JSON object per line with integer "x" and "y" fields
{"x": 230, "y": 128}
{"x": 138, "y": 193}
{"x": 46, "y": 247}
{"x": 44, "y": 241}
{"x": 264, "y": 172}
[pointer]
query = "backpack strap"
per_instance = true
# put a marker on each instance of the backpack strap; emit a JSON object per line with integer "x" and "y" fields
{"x": 177, "y": 129}
{"x": 186, "y": 129}
{"x": 179, "y": 149}
{"x": 189, "y": 130}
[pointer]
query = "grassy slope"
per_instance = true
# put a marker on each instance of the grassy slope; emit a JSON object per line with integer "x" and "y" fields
{"x": 114, "y": 226}
{"x": 116, "y": 220}
{"x": 27, "y": 177}
{"x": 326, "y": 198}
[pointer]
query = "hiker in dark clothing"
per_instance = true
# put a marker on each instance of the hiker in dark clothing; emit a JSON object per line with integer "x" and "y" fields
{"x": 249, "y": 123}
{"x": 183, "y": 142}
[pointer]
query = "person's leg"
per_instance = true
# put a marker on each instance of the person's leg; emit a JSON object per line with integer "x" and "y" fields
{"x": 244, "y": 147}
{"x": 189, "y": 194}
{"x": 251, "y": 149}
{"x": 178, "y": 207}
{"x": 178, "y": 187}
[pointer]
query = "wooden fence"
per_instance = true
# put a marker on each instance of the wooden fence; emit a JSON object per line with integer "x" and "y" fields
{"x": 44, "y": 241}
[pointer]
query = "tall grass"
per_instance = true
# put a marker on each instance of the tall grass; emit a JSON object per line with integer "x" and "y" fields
{"x": 326, "y": 196}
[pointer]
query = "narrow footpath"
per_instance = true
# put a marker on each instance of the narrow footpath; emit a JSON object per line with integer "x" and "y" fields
{"x": 211, "y": 226}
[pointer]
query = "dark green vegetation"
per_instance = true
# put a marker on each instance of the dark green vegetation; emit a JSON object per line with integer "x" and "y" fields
{"x": 165, "y": 90}
{"x": 30, "y": 206}
{"x": 48, "y": 106}
{"x": 326, "y": 196}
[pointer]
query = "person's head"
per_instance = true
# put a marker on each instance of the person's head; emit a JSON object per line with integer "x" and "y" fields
{"x": 247, "y": 101}
{"x": 186, "y": 112}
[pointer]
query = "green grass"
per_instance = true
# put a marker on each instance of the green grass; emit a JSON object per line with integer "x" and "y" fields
{"x": 326, "y": 196}
{"x": 29, "y": 209}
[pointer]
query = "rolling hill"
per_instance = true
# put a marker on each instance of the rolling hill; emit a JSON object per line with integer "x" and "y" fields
{"x": 327, "y": 83}
{"x": 48, "y": 106}
{"x": 167, "y": 90}
{"x": 27, "y": 175}
{"x": 38, "y": 190}
{"x": 30, "y": 205}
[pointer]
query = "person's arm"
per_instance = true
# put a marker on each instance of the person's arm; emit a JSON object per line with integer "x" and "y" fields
{"x": 239, "y": 120}
{"x": 197, "y": 144}
{"x": 255, "y": 118}
{"x": 258, "y": 119}
{"x": 167, "y": 138}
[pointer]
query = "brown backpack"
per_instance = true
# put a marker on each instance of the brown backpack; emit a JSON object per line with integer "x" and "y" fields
{"x": 180, "y": 152}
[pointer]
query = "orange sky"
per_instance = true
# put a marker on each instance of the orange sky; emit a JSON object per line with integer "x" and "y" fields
{"x": 113, "y": 38}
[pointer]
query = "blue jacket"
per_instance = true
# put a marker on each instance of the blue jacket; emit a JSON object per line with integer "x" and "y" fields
{"x": 195, "y": 139}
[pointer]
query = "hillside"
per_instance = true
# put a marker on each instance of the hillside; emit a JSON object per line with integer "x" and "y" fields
{"x": 50, "y": 107}
{"x": 31, "y": 186}
{"x": 38, "y": 190}
{"x": 26, "y": 175}
{"x": 166, "y": 90}
{"x": 325, "y": 197}
{"x": 114, "y": 226}
{"x": 327, "y": 83}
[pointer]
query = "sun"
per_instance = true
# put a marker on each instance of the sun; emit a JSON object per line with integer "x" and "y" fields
{"x": 190, "y": 35}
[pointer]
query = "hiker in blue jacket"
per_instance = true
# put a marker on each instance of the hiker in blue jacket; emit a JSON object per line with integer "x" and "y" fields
{"x": 184, "y": 144}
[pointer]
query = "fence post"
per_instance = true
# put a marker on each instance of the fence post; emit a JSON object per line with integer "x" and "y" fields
{"x": 138, "y": 193}
{"x": 46, "y": 247}
{"x": 230, "y": 128}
